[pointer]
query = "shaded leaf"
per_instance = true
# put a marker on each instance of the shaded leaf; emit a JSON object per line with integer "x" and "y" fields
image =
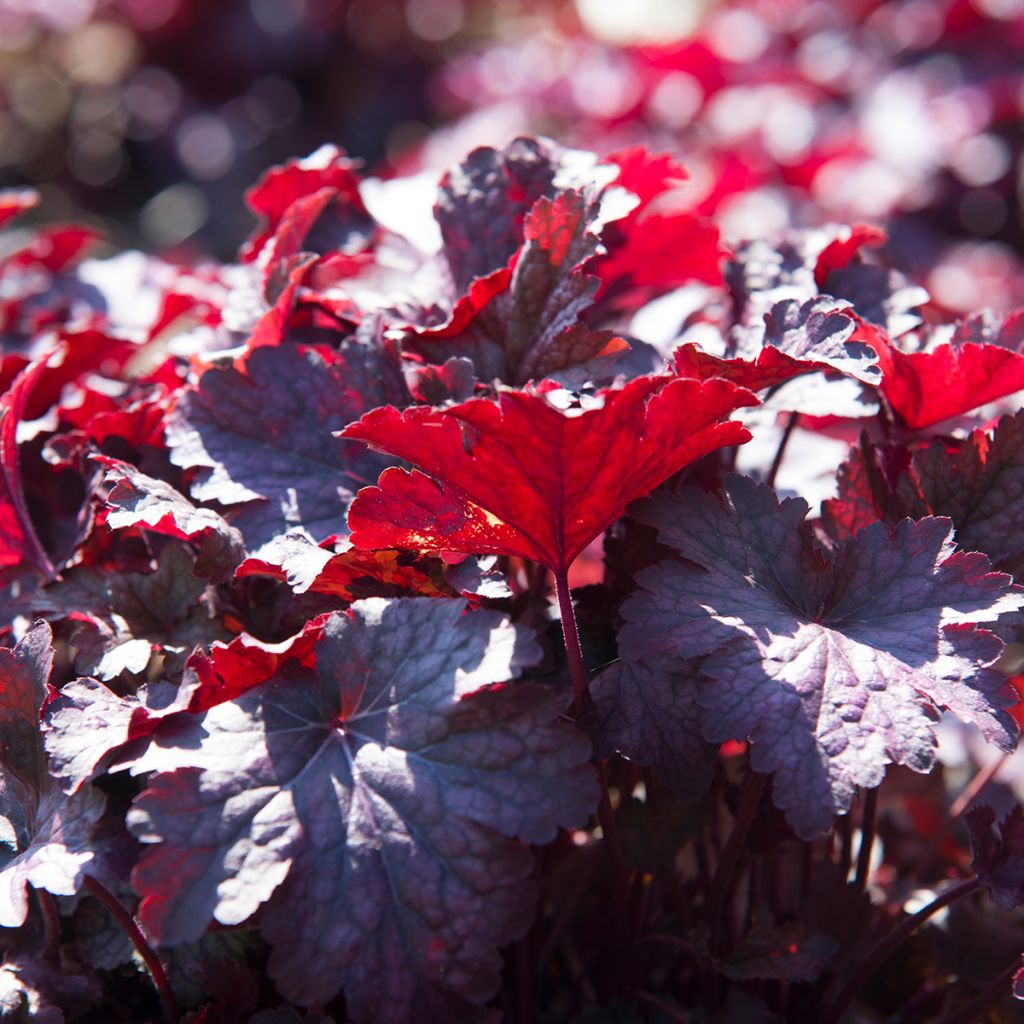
{"x": 650, "y": 714}
{"x": 998, "y": 853}
{"x": 787, "y": 952}
{"x": 123, "y": 619}
{"x": 33, "y": 991}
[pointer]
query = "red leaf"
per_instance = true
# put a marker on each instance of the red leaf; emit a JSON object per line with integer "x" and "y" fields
{"x": 18, "y": 541}
{"x": 925, "y": 388}
{"x": 231, "y": 669}
{"x": 281, "y": 186}
{"x": 57, "y": 247}
{"x": 840, "y": 251}
{"x": 660, "y": 244}
{"x": 15, "y": 201}
{"x": 520, "y": 476}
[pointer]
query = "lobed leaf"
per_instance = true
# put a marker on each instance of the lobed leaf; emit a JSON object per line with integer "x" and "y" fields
{"x": 366, "y": 803}
{"x": 46, "y": 835}
{"x": 521, "y": 476}
{"x": 258, "y": 436}
{"x": 833, "y": 665}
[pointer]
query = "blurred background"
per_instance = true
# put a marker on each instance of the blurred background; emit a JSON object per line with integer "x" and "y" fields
{"x": 148, "y": 119}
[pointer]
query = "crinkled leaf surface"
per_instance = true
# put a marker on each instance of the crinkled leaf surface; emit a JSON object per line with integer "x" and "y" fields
{"x": 652, "y": 716}
{"x": 483, "y": 202}
{"x": 46, "y": 836}
{"x": 521, "y": 476}
{"x": 529, "y": 329}
{"x": 795, "y": 339}
{"x": 833, "y": 667}
{"x": 136, "y": 499}
{"x": 977, "y": 482}
{"x": 367, "y": 803}
{"x": 259, "y": 436}
{"x": 998, "y": 853}
{"x": 124, "y": 618}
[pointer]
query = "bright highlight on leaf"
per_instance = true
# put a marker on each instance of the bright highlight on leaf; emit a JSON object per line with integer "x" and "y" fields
{"x": 520, "y": 476}
{"x": 367, "y": 803}
{"x": 833, "y": 665}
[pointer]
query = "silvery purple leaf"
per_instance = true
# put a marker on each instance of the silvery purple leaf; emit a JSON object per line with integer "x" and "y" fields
{"x": 367, "y": 802}
{"x": 834, "y": 665}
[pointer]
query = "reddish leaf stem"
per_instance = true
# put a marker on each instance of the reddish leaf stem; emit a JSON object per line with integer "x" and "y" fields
{"x": 721, "y": 884}
{"x": 781, "y": 450}
{"x": 51, "y": 928}
{"x": 867, "y": 838}
{"x": 130, "y": 927}
{"x": 571, "y": 633}
{"x": 888, "y": 944}
{"x": 996, "y": 989}
{"x": 973, "y": 790}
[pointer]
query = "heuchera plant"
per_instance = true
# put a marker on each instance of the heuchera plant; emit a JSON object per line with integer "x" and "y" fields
{"x": 394, "y": 633}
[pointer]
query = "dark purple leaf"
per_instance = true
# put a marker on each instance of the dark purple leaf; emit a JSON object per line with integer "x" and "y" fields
{"x": 139, "y": 500}
{"x": 366, "y": 803}
{"x": 788, "y": 952}
{"x": 86, "y": 723}
{"x": 38, "y": 993}
{"x": 998, "y": 853}
{"x": 880, "y": 295}
{"x": 45, "y": 835}
{"x": 123, "y": 619}
{"x": 833, "y": 666}
{"x": 259, "y": 435}
{"x": 977, "y": 482}
{"x": 482, "y": 204}
{"x": 650, "y": 714}
{"x": 529, "y": 330}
